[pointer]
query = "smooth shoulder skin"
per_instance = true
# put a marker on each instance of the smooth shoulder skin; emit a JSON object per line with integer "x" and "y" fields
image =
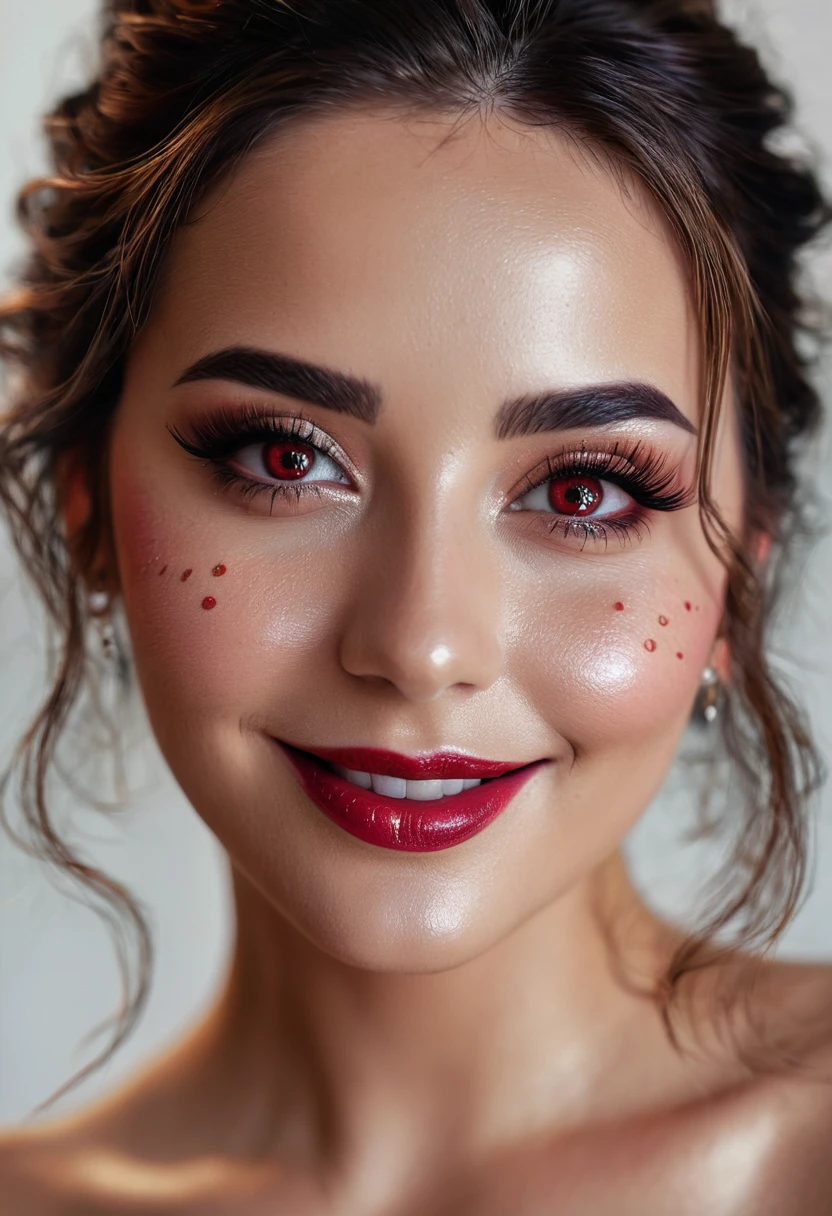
{"x": 744, "y": 1146}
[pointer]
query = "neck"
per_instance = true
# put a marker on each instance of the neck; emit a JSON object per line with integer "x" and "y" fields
{"x": 333, "y": 1064}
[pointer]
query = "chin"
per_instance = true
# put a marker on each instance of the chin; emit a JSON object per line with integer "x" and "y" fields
{"x": 426, "y": 924}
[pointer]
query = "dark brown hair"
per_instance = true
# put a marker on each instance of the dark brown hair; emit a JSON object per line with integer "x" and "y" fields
{"x": 660, "y": 88}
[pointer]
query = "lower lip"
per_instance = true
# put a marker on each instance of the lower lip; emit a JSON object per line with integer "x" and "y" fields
{"x": 403, "y": 823}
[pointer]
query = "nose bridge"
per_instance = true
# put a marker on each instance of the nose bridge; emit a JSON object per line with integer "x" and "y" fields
{"x": 427, "y": 616}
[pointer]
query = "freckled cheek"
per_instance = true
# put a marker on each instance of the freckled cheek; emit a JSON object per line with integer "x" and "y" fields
{"x": 213, "y": 627}
{"x": 609, "y": 673}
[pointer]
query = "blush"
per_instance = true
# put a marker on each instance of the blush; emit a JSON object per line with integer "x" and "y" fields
{"x": 209, "y": 602}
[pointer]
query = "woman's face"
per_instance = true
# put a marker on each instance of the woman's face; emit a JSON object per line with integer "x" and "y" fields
{"x": 487, "y": 545}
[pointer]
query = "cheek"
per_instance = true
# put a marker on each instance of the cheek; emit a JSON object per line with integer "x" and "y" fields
{"x": 215, "y": 627}
{"x": 620, "y": 667}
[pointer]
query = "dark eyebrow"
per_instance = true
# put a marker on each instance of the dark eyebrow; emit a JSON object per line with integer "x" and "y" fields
{"x": 592, "y": 405}
{"x": 551, "y": 410}
{"x": 292, "y": 377}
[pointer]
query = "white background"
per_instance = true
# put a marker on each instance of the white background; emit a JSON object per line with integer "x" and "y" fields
{"x": 57, "y": 971}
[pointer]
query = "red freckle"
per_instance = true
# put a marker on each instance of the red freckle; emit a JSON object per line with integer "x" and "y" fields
{"x": 162, "y": 571}
{"x": 688, "y": 605}
{"x": 619, "y": 607}
{"x": 650, "y": 645}
{"x": 662, "y": 620}
{"x": 209, "y": 602}
{"x": 186, "y": 575}
{"x": 218, "y": 570}
{"x": 679, "y": 654}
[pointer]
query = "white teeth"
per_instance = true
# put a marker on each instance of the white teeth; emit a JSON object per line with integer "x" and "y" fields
{"x": 357, "y": 778}
{"x": 397, "y": 787}
{"x": 424, "y": 791}
{"x": 392, "y": 787}
{"x": 455, "y": 786}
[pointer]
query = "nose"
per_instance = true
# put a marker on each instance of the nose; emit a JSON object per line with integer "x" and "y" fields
{"x": 426, "y": 617}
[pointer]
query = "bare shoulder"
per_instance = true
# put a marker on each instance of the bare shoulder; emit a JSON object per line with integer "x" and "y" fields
{"x": 793, "y": 1014}
{"x": 31, "y": 1175}
{"x": 786, "y": 1110}
{"x": 71, "y": 1171}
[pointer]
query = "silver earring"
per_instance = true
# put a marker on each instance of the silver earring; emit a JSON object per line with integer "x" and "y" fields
{"x": 710, "y": 694}
{"x": 99, "y": 605}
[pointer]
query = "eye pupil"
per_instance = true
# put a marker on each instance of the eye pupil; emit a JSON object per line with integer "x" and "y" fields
{"x": 575, "y": 495}
{"x": 287, "y": 459}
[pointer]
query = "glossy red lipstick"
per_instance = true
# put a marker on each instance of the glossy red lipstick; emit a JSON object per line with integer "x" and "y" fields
{"x": 405, "y": 823}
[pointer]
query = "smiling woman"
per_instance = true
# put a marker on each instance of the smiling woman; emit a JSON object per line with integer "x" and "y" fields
{"x": 421, "y": 382}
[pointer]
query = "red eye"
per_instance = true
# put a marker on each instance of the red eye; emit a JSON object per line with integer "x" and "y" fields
{"x": 288, "y": 459}
{"x": 575, "y": 495}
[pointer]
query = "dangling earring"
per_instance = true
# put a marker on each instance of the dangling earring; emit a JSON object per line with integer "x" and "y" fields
{"x": 709, "y": 694}
{"x": 99, "y": 605}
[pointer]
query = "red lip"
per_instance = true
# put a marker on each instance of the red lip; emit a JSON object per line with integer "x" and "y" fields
{"x": 404, "y": 823}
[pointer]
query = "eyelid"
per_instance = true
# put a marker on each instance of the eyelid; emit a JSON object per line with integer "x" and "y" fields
{"x": 220, "y": 433}
{"x": 652, "y": 477}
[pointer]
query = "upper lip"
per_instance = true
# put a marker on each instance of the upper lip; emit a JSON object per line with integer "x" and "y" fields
{"x": 442, "y": 765}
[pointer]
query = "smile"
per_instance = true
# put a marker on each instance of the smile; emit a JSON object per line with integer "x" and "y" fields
{"x": 415, "y": 804}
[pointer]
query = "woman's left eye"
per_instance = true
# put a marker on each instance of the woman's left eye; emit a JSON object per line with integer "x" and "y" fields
{"x": 576, "y": 496}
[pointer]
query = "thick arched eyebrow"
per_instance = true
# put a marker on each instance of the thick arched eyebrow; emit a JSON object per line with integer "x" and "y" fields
{"x": 277, "y": 373}
{"x": 552, "y": 410}
{"x": 591, "y": 405}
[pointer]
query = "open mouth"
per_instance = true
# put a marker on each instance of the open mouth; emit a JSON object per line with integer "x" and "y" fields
{"x": 428, "y": 790}
{"x": 402, "y": 812}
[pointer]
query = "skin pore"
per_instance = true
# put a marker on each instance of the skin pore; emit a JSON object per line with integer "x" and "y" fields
{"x": 403, "y": 1026}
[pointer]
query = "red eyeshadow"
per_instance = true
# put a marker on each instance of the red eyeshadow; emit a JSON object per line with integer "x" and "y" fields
{"x": 209, "y": 602}
{"x": 650, "y": 645}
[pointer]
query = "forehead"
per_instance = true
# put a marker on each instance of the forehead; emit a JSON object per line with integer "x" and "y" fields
{"x": 377, "y": 238}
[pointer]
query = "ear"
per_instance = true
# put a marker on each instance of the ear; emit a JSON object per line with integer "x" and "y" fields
{"x": 76, "y": 507}
{"x": 760, "y": 546}
{"x": 74, "y": 495}
{"x": 721, "y": 660}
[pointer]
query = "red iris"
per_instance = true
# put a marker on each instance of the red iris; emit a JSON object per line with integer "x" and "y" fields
{"x": 288, "y": 459}
{"x": 575, "y": 495}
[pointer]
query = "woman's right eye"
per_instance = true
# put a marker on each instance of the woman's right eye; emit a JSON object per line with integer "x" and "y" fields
{"x": 287, "y": 460}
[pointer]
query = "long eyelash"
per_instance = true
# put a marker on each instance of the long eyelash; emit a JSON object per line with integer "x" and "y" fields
{"x": 648, "y": 476}
{"x": 218, "y": 435}
{"x": 221, "y": 433}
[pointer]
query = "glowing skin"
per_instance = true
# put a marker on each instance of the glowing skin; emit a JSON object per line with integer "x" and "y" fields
{"x": 467, "y": 282}
{"x": 456, "y": 1003}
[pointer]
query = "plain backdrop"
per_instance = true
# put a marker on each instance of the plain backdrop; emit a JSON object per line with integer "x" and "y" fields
{"x": 57, "y": 971}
